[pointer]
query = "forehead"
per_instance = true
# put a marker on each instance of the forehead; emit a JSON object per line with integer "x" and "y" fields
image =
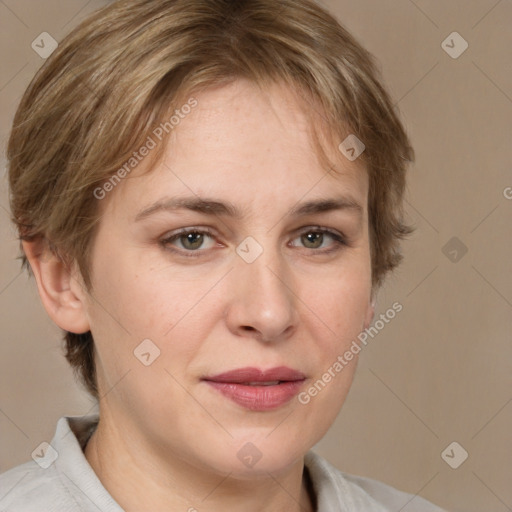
{"x": 244, "y": 142}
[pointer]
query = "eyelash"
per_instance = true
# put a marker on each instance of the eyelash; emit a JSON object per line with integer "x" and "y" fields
{"x": 339, "y": 240}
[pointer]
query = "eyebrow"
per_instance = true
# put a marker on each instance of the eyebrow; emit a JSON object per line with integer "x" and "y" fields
{"x": 212, "y": 206}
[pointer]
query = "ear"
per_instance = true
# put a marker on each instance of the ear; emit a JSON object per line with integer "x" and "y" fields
{"x": 370, "y": 312}
{"x": 61, "y": 289}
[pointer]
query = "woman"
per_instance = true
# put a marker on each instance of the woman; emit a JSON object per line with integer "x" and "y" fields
{"x": 209, "y": 195}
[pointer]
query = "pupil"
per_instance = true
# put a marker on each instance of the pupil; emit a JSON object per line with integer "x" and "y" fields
{"x": 190, "y": 239}
{"x": 313, "y": 237}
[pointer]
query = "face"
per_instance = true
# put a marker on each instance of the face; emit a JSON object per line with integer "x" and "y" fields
{"x": 261, "y": 284}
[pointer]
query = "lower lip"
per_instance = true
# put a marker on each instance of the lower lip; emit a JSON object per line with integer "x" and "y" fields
{"x": 259, "y": 398}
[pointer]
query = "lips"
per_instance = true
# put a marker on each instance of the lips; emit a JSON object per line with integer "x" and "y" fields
{"x": 249, "y": 374}
{"x": 256, "y": 389}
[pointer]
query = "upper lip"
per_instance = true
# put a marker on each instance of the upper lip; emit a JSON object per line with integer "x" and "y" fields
{"x": 250, "y": 374}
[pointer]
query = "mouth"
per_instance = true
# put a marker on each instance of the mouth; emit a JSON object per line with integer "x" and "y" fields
{"x": 256, "y": 389}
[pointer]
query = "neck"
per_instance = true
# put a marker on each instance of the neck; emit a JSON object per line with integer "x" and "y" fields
{"x": 139, "y": 478}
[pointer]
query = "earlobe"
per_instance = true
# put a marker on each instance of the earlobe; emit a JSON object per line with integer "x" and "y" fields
{"x": 62, "y": 295}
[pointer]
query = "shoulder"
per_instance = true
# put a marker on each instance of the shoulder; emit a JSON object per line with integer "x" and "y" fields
{"x": 390, "y": 497}
{"x": 30, "y": 488}
{"x": 335, "y": 488}
{"x": 59, "y": 478}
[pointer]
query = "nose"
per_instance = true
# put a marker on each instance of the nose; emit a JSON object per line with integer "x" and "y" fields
{"x": 262, "y": 304}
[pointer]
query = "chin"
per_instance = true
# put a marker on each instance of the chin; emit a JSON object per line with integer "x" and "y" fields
{"x": 255, "y": 456}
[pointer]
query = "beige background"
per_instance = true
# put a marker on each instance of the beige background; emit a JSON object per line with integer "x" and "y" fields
{"x": 441, "y": 370}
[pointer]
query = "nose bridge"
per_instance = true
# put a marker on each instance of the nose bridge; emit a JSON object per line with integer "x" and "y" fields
{"x": 263, "y": 300}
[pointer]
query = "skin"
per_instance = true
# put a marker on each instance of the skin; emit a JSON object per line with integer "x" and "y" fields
{"x": 166, "y": 440}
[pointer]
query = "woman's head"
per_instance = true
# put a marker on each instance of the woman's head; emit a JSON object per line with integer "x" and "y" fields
{"x": 148, "y": 99}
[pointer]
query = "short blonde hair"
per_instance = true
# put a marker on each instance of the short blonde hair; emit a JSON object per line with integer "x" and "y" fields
{"x": 121, "y": 72}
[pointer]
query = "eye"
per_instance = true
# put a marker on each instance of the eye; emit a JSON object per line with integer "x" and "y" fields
{"x": 191, "y": 239}
{"x": 313, "y": 238}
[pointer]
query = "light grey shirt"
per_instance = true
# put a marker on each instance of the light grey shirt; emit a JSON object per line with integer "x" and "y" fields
{"x": 60, "y": 479}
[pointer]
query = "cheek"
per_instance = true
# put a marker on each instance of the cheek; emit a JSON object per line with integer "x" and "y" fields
{"x": 334, "y": 351}
{"x": 342, "y": 300}
{"x": 141, "y": 300}
{"x": 129, "y": 312}
{"x": 348, "y": 306}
